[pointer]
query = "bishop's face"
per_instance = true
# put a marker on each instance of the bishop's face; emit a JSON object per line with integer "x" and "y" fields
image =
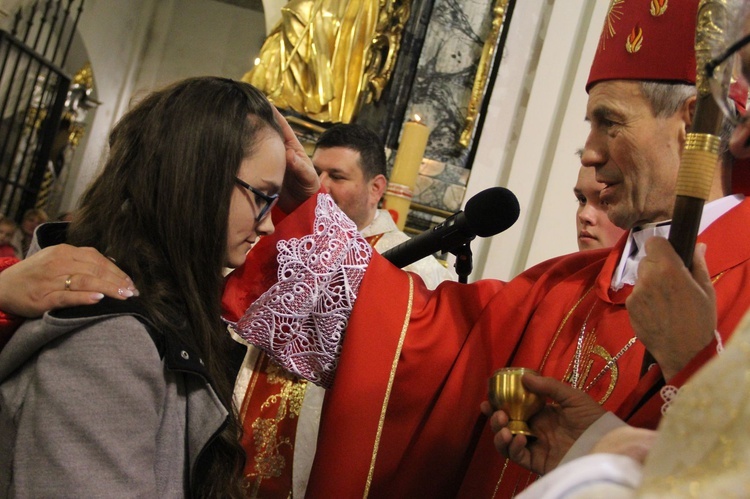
{"x": 636, "y": 155}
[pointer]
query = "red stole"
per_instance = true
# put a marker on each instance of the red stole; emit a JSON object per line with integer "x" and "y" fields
{"x": 579, "y": 332}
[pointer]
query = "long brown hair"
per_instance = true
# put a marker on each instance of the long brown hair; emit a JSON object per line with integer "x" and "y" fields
{"x": 160, "y": 209}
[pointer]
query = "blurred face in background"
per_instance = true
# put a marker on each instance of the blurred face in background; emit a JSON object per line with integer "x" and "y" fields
{"x": 343, "y": 177}
{"x": 29, "y": 224}
{"x": 6, "y": 232}
{"x": 593, "y": 228}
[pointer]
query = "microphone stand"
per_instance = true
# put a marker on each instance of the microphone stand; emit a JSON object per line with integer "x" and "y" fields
{"x": 464, "y": 262}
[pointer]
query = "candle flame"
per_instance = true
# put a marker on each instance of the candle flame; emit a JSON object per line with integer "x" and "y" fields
{"x": 417, "y": 118}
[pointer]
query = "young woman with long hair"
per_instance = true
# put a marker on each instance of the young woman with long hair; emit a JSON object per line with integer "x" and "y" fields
{"x": 135, "y": 397}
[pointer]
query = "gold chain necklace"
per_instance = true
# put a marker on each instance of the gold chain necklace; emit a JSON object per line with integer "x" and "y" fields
{"x": 579, "y": 348}
{"x": 611, "y": 362}
{"x": 576, "y": 376}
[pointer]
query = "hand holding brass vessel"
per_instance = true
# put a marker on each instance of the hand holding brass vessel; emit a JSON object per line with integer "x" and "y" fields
{"x": 507, "y": 393}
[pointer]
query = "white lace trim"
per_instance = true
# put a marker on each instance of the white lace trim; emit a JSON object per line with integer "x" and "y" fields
{"x": 668, "y": 394}
{"x": 300, "y": 320}
{"x": 719, "y": 343}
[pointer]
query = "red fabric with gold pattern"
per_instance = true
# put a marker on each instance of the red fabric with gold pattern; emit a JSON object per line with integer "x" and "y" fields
{"x": 433, "y": 442}
{"x": 269, "y": 414}
{"x": 729, "y": 272}
{"x": 646, "y": 40}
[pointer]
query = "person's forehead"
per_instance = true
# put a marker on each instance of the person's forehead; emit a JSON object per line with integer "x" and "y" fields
{"x": 268, "y": 160}
{"x": 620, "y": 96}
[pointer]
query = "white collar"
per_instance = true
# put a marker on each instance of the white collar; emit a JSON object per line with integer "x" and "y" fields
{"x": 625, "y": 273}
{"x": 382, "y": 222}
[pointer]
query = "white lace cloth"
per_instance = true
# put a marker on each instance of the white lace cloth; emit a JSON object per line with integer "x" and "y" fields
{"x": 300, "y": 320}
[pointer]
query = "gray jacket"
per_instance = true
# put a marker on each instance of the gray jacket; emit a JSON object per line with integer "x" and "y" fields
{"x": 94, "y": 403}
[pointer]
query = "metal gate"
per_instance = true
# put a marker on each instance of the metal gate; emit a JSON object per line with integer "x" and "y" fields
{"x": 33, "y": 94}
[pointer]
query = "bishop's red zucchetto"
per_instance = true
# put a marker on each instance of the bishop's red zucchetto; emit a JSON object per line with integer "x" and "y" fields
{"x": 646, "y": 40}
{"x": 655, "y": 40}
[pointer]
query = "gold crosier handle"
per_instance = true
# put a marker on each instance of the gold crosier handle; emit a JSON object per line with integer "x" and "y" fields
{"x": 701, "y": 153}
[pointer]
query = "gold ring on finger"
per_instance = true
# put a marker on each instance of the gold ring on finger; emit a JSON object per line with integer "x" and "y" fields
{"x": 67, "y": 282}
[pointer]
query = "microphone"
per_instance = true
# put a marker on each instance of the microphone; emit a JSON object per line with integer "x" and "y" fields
{"x": 488, "y": 213}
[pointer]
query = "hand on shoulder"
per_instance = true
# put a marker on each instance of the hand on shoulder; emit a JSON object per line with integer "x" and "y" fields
{"x": 61, "y": 276}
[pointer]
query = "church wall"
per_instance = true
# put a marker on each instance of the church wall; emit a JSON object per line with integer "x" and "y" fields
{"x": 139, "y": 45}
{"x": 201, "y": 37}
{"x": 113, "y": 34}
{"x": 535, "y": 124}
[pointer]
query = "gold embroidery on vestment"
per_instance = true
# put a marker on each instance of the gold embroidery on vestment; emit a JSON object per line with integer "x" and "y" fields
{"x": 562, "y": 324}
{"x": 267, "y": 441}
{"x": 500, "y": 480}
{"x": 579, "y": 367}
{"x": 614, "y": 371}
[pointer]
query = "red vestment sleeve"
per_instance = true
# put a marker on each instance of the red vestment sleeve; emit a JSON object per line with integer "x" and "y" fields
{"x": 402, "y": 417}
{"x": 297, "y": 288}
{"x": 246, "y": 283}
{"x": 394, "y": 391}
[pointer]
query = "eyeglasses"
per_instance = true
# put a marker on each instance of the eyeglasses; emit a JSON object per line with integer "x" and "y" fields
{"x": 263, "y": 201}
{"x": 718, "y": 74}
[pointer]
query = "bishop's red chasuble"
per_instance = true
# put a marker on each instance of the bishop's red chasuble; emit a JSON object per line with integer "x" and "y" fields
{"x": 401, "y": 417}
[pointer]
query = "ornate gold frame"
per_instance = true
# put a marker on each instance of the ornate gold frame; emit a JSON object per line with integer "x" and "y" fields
{"x": 499, "y": 12}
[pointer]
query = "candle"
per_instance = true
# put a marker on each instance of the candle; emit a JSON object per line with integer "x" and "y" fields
{"x": 409, "y": 156}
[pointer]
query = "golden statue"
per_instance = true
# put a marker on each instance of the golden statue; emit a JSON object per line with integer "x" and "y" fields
{"x": 325, "y": 58}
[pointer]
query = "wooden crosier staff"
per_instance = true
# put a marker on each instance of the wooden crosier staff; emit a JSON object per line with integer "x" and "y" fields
{"x": 701, "y": 152}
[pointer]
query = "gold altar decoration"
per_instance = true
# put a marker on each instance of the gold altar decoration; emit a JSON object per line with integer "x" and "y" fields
{"x": 403, "y": 177}
{"x": 483, "y": 70}
{"x": 72, "y": 128}
{"x": 325, "y": 58}
{"x": 81, "y": 88}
